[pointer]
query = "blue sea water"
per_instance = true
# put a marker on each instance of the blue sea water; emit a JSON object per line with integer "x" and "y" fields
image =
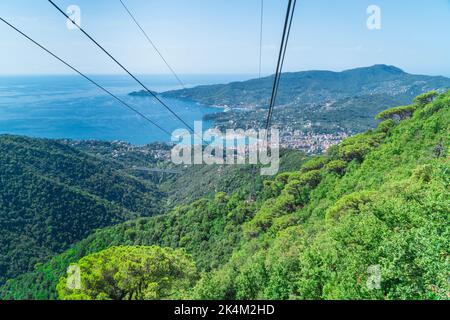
{"x": 70, "y": 107}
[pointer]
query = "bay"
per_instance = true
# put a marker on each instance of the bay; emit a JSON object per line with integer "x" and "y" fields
{"x": 69, "y": 107}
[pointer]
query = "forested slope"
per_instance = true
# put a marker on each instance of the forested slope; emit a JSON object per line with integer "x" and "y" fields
{"x": 376, "y": 205}
{"x": 203, "y": 181}
{"x": 53, "y": 196}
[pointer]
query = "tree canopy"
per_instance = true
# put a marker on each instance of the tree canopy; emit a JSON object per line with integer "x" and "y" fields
{"x": 130, "y": 273}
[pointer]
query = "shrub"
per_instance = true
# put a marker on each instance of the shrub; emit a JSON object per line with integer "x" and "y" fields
{"x": 314, "y": 164}
{"x": 354, "y": 152}
{"x": 336, "y": 166}
{"x": 350, "y": 203}
{"x": 283, "y": 177}
{"x": 426, "y": 98}
{"x": 311, "y": 178}
{"x": 132, "y": 273}
{"x": 398, "y": 113}
{"x": 300, "y": 192}
{"x": 423, "y": 173}
{"x": 386, "y": 125}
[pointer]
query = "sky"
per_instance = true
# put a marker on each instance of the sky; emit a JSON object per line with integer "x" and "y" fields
{"x": 222, "y": 36}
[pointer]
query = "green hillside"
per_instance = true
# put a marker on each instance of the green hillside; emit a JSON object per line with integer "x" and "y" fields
{"x": 203, "y": 181}
{"x": 53, "y": 196}
{"x": 376, "y": 205}
{"x": 192, "y": 181}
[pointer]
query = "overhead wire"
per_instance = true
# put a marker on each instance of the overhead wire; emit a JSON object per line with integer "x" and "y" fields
{"x": 123, "y": 67}
{"x": 261, "y": 34}
{"x": 284, "y": 55}
{"x": 281, "y": 57}
{"x": 86, "y": 77}
{"x": 153, "y": 44}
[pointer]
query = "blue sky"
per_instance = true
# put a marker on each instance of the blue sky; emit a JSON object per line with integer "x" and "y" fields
{"x": 222, "y": 36}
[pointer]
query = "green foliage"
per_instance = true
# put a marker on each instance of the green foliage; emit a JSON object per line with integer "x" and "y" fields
{"x": 131, "y": 273}
{"x": 423, "y": 172}
{"x": 351, "y": 203}
{"x": 336, "y": 166}
{"x": 208, "y": 229}
{"x": 200, "y": 181}
{"x": 386, "y": 125}
{"x": 354, "y": 152}
{"x": 357, "y": 147}
{"x": 426, "y": 98}
{"x": 53, "y": 196}
{"x": 441, "y": 102}
{"x": 311, "y": 178}
{"x": 393, "y": 198}
{"x": 398, "y": 113}
{"x": 316, "y": 163}
{"x": 381, "y": 202}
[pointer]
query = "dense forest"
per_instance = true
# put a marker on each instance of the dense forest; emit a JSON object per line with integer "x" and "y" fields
{"x": 367, "y": 220}
{"x": 53, "y": 196}
{"x": 56, "y": 193}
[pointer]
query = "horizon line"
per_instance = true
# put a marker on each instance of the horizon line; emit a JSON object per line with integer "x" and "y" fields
{"x": 249, "y": 74}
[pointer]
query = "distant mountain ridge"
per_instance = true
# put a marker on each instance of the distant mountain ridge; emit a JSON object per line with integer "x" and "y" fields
{"x": 314, "y": 102}
{"x": 316, "y": 86}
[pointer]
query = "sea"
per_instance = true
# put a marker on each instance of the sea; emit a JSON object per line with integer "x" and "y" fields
{"x": 70, "y": 107}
